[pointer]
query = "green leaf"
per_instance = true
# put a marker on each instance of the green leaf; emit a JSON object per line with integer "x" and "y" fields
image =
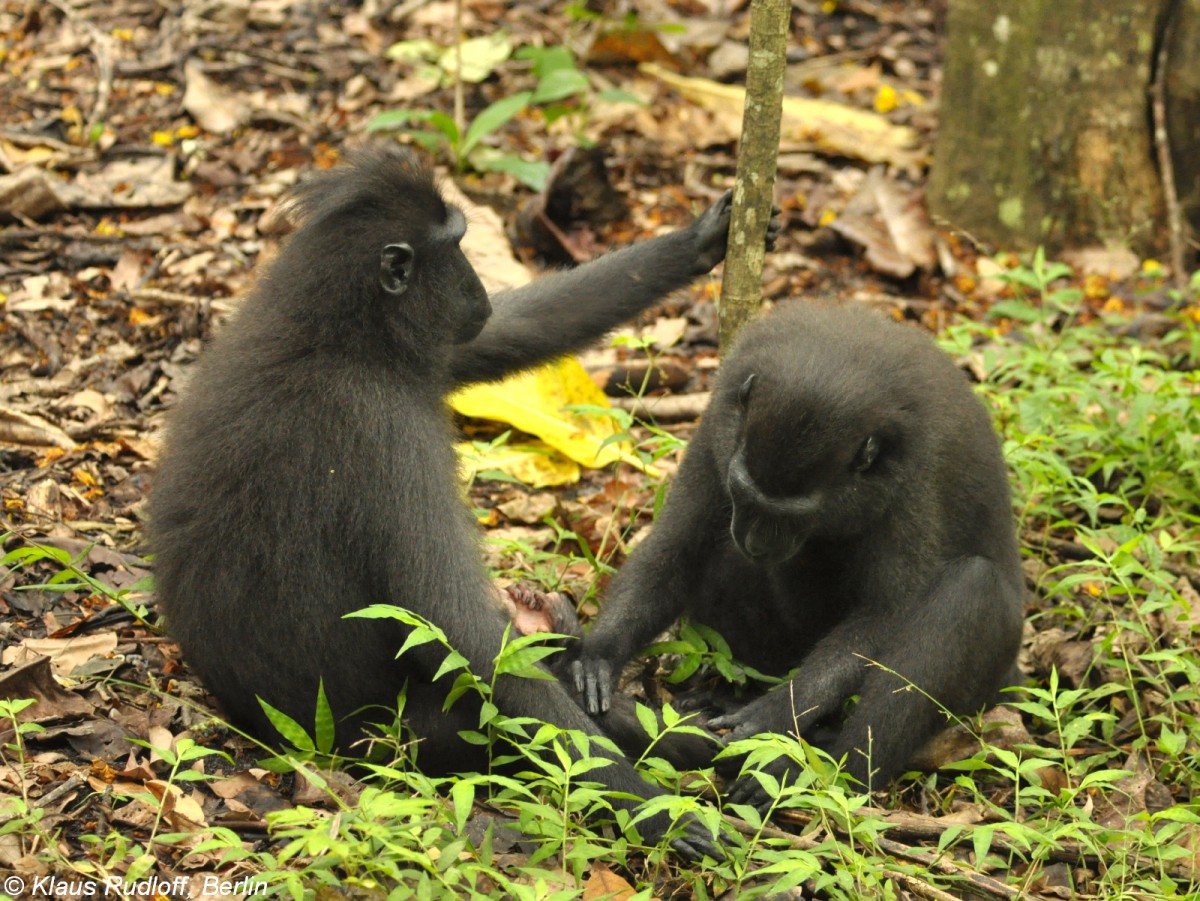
{"x": 398, "y": 119}
{"x": 668, "y": 647}
{"x": 648, "y": 720}
{"x": 431, "y": 141}
{"x": 547, "y": 60}
{"x": 324, "y": 727}
{"x": 479, "y": 57}
{"x": 417, "y": 637}
{"x": 291, "y": 731}
{"x": 462, "y": 796}
{"x": 1016, "y": 309}
{"x": 981, "y": 841}
{"x": 687, "y": 666}
{"x": 725, "y": 667}
{"x": 463, "y": 683}
{"x": 531, "y": 173}
{"x": 412, "y": 51}
{"x": 558, "y": 85}
{"x": 616, "y": 95}
{"x": 492, "y": 118}
{"x": 518, "y": 658}
{"x": 446, "y": 125}
{"x": 453, "y": 661}
{"x": 390, "y": 120}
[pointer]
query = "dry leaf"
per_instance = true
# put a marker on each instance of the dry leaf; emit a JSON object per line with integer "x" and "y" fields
{"x": 66, "y": 654}
{"x": 536, "y": 465}
{"x": 36, "y": 681}
{"x": 536, "y": 402}
{"x": 604, "y": 883}
{"x": 30, "y": 192}
{"x": 126, "y": 184}
{"x": 890, "y": 221}
{"x": 666, "y": 332}
{"x": 31, "y": 431}
{"x": 214, "y": 108}
{"x": 821, "y": 125}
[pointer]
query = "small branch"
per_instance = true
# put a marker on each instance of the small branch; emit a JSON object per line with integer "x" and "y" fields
{"x": 758, "y": 149}
{"x": 668, "y": 408}
{"x": 460, "y": 116}
{"x": 50, "y": 797}
{"x": 914, "y": 884}
{"x": 919, "y": 887}
{"x": 1162, "y": 146}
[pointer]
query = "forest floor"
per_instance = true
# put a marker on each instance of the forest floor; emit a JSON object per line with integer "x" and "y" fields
{"x": 144, "y": 149}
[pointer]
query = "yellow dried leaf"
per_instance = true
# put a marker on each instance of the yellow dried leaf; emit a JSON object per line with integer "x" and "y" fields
{"x": 886, "y": 99}
{"x": 604, "y": 883}
{"x": 823, "y": 125}
{"x": 536, "y": 402}
{"x": 536, "y": 465}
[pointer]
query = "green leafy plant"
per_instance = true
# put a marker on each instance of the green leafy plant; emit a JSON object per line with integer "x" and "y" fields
{"x": 18, "y": 817}
{"x": 299, "y": 745}
{"x": 561, "y": 90}
{"x": 697, "y": 647}
{"x": 564, "y": 91}
{"x": 69, "y": 576}
{"x": 1036, "y": 293}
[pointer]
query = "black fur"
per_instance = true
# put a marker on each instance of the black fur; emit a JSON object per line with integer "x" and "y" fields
{"x": 308, "y": 471}
{"x": 844, "y": 495}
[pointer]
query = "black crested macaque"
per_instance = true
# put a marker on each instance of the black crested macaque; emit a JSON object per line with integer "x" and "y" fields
{"x": 844, "y": 500}
{"x": 309, "y": 471}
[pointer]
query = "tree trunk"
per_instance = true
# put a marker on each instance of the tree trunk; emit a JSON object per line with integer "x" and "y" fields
{"x": 1182, "y": 81}
{"x": 754, "y": 187}
{"x": 1046, "y": 124}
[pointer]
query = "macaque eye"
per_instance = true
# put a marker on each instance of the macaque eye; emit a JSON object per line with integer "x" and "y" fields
{"x": 866, "y": 454}
{"x": 744, "y": 391}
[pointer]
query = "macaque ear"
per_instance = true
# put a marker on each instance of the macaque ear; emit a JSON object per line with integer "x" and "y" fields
{"x": 744, "y": 391}
{"x": 866, "y": 454}
{"x": 395, "y": 267}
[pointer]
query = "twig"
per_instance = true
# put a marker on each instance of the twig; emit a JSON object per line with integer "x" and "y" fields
{"x": 919, "y": 887}
{"x": 177, "y": 299}
{"x": 668, "y": 408}
{"x": 754, "y": 184}
{"x": 799, "y": 842}
{"x": 976, "y": 882}
{"x": 58, "y": 791}
{"x": 49, "y": 798}
{"x": 914, "y": 884}
{"x": 1162, "y": 145}
{"x": 460, "y": 116}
